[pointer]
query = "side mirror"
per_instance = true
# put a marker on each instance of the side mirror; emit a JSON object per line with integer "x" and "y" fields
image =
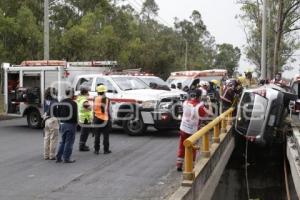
{"x": 112, "y": 91}
{"x": 292, "y": 105}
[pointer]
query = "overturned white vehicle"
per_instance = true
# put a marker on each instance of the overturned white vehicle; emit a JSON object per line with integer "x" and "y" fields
{"x": 261, "y": 113}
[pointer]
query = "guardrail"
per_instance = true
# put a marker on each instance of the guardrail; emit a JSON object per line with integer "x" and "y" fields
{"x": 224, "y": 119}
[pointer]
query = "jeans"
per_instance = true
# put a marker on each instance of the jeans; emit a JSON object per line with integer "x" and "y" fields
{"x": 65, "y": 148}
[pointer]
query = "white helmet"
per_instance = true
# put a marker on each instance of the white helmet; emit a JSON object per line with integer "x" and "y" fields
{"x": 205, "y": 83}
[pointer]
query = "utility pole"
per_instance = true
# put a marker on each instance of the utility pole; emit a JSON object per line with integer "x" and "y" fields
{"x": 186, "y": 56}
{"x": 269, "y": 52}
{"x": 46, "y": 29}
{"x": 264, "y": 42}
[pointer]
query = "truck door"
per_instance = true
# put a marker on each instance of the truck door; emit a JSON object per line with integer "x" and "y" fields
{"x": 12, "y": 85}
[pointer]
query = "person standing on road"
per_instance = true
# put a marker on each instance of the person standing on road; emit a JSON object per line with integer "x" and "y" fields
{"x": 68, "y": 118}
{"x": 101, "y": 120}
{"x": 85, "y": 116}
{"x": 193, "y": 110}
{"x": 51, "y": 124}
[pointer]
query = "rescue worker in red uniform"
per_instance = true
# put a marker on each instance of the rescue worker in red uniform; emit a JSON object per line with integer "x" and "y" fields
{"x": 193, "y": 111}
{"x": 101, "y": 120}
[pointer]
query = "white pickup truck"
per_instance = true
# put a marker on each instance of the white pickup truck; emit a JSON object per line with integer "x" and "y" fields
{"x": 134, "y": 105}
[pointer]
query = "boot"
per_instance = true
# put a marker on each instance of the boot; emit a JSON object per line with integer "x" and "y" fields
{"x": 84, "y": 148}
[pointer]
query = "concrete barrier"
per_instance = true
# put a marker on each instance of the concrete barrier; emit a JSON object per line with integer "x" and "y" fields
{"x": 293, "y": 155}
{"x": 208, "y": 171}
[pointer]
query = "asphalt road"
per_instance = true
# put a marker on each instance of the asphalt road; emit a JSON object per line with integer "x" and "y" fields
{"x": 139, "y": 168}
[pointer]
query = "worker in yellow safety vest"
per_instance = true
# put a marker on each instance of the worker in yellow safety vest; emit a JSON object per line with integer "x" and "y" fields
{"x": 101, "y": 120}
{"x": 85, "y": 117}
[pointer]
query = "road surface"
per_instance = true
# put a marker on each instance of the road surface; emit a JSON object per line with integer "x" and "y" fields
{"x": 139, "y": 168}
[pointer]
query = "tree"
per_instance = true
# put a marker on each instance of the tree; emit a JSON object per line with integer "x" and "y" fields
{"x": 228, "y": 57}
{"x": 282, "y": 41}
{"x": 287, "y": 17}
{"x": 149, "y": 9}
{"x": 201, "y": 45}
{"x": 100, "y": 30}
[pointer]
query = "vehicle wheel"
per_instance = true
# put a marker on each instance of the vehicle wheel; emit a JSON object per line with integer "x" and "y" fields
{"x": 34, "y": 119}
{"x": 134, "y": 126}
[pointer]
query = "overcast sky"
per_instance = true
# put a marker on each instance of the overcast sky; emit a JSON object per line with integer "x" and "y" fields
{"x": 218, "y": 16}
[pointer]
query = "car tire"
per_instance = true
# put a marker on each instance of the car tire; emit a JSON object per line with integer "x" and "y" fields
{"x": 134, "y": 126}
{"x": 34, "y": 119}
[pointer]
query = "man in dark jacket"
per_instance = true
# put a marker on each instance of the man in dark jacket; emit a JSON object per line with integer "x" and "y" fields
{"x": 68, "y": 119}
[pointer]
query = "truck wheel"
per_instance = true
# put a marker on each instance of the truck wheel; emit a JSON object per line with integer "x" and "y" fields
{"x": 34, "y": 119}
{"x": 134, "y": 126}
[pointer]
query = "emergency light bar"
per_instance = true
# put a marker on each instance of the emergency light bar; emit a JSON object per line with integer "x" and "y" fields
{"x": 93, "y": 63}
{"x": 202, "y": 73}
{"x": 43, "y": 63}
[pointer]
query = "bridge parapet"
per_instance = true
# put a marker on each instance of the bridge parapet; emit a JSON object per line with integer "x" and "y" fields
{"x": 293, "y": 152}
{"x": 201, "y": 179}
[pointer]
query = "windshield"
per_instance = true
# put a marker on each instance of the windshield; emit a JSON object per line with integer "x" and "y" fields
{"x": 129, "y": 83}
{"x": 245, "y": 113}
{"x": 186, "y": 81}
{"x": 156, "y": 80}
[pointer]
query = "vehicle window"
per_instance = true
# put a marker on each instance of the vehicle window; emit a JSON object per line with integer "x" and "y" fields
{"x": 186, "y": 81}
{"x": 156, "y": 80}
{"x": 296, "y": 88}
{"x": 246, "y": 108}
{"x": 107, "y": 83}
{"x": 86, "y": 82}
{"x": 130, "y": 83}
{"x": 195, "y": 82}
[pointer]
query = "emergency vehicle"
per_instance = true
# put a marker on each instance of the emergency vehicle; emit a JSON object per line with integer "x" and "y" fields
{"x": 189, "y": 78}
{"x": 261, "y": 113}
{"x": 25, "y": 84}
{"x": 134, "y": 105}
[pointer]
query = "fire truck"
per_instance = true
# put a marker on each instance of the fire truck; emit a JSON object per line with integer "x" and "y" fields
{"x": 25, "y": 84}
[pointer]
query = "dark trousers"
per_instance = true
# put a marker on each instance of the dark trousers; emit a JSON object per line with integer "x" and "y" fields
{"x": 65, "y": 148}
{"x": 101, "y": 127}
{"x": 226, "y": 106}
{"x": 86, "y": 129}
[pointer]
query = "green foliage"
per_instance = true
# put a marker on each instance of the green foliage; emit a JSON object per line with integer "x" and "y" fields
{"x": 98, "y": 30}
{"x": 227, "y": 57}
{"x": 284, "y": 24}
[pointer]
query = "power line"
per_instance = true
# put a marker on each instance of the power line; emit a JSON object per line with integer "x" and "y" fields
{"x": 140, "y": 6}
{"x": 161, "y": 19}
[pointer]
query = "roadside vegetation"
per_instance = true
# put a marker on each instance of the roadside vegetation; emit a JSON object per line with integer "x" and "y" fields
{"x": 99, "y": 30}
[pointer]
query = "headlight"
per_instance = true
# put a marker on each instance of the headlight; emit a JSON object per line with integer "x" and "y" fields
{"x": 165, "y": 106}
{"x": 149, "y": 104}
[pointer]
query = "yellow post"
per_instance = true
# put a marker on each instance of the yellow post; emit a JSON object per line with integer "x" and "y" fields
{"x": 216, "y": 137}
{"x": 205, "y": 145}
{"x": 188, "y": 164}
{"x": 229, "y": 119}
{"x": 223, "y": 126}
